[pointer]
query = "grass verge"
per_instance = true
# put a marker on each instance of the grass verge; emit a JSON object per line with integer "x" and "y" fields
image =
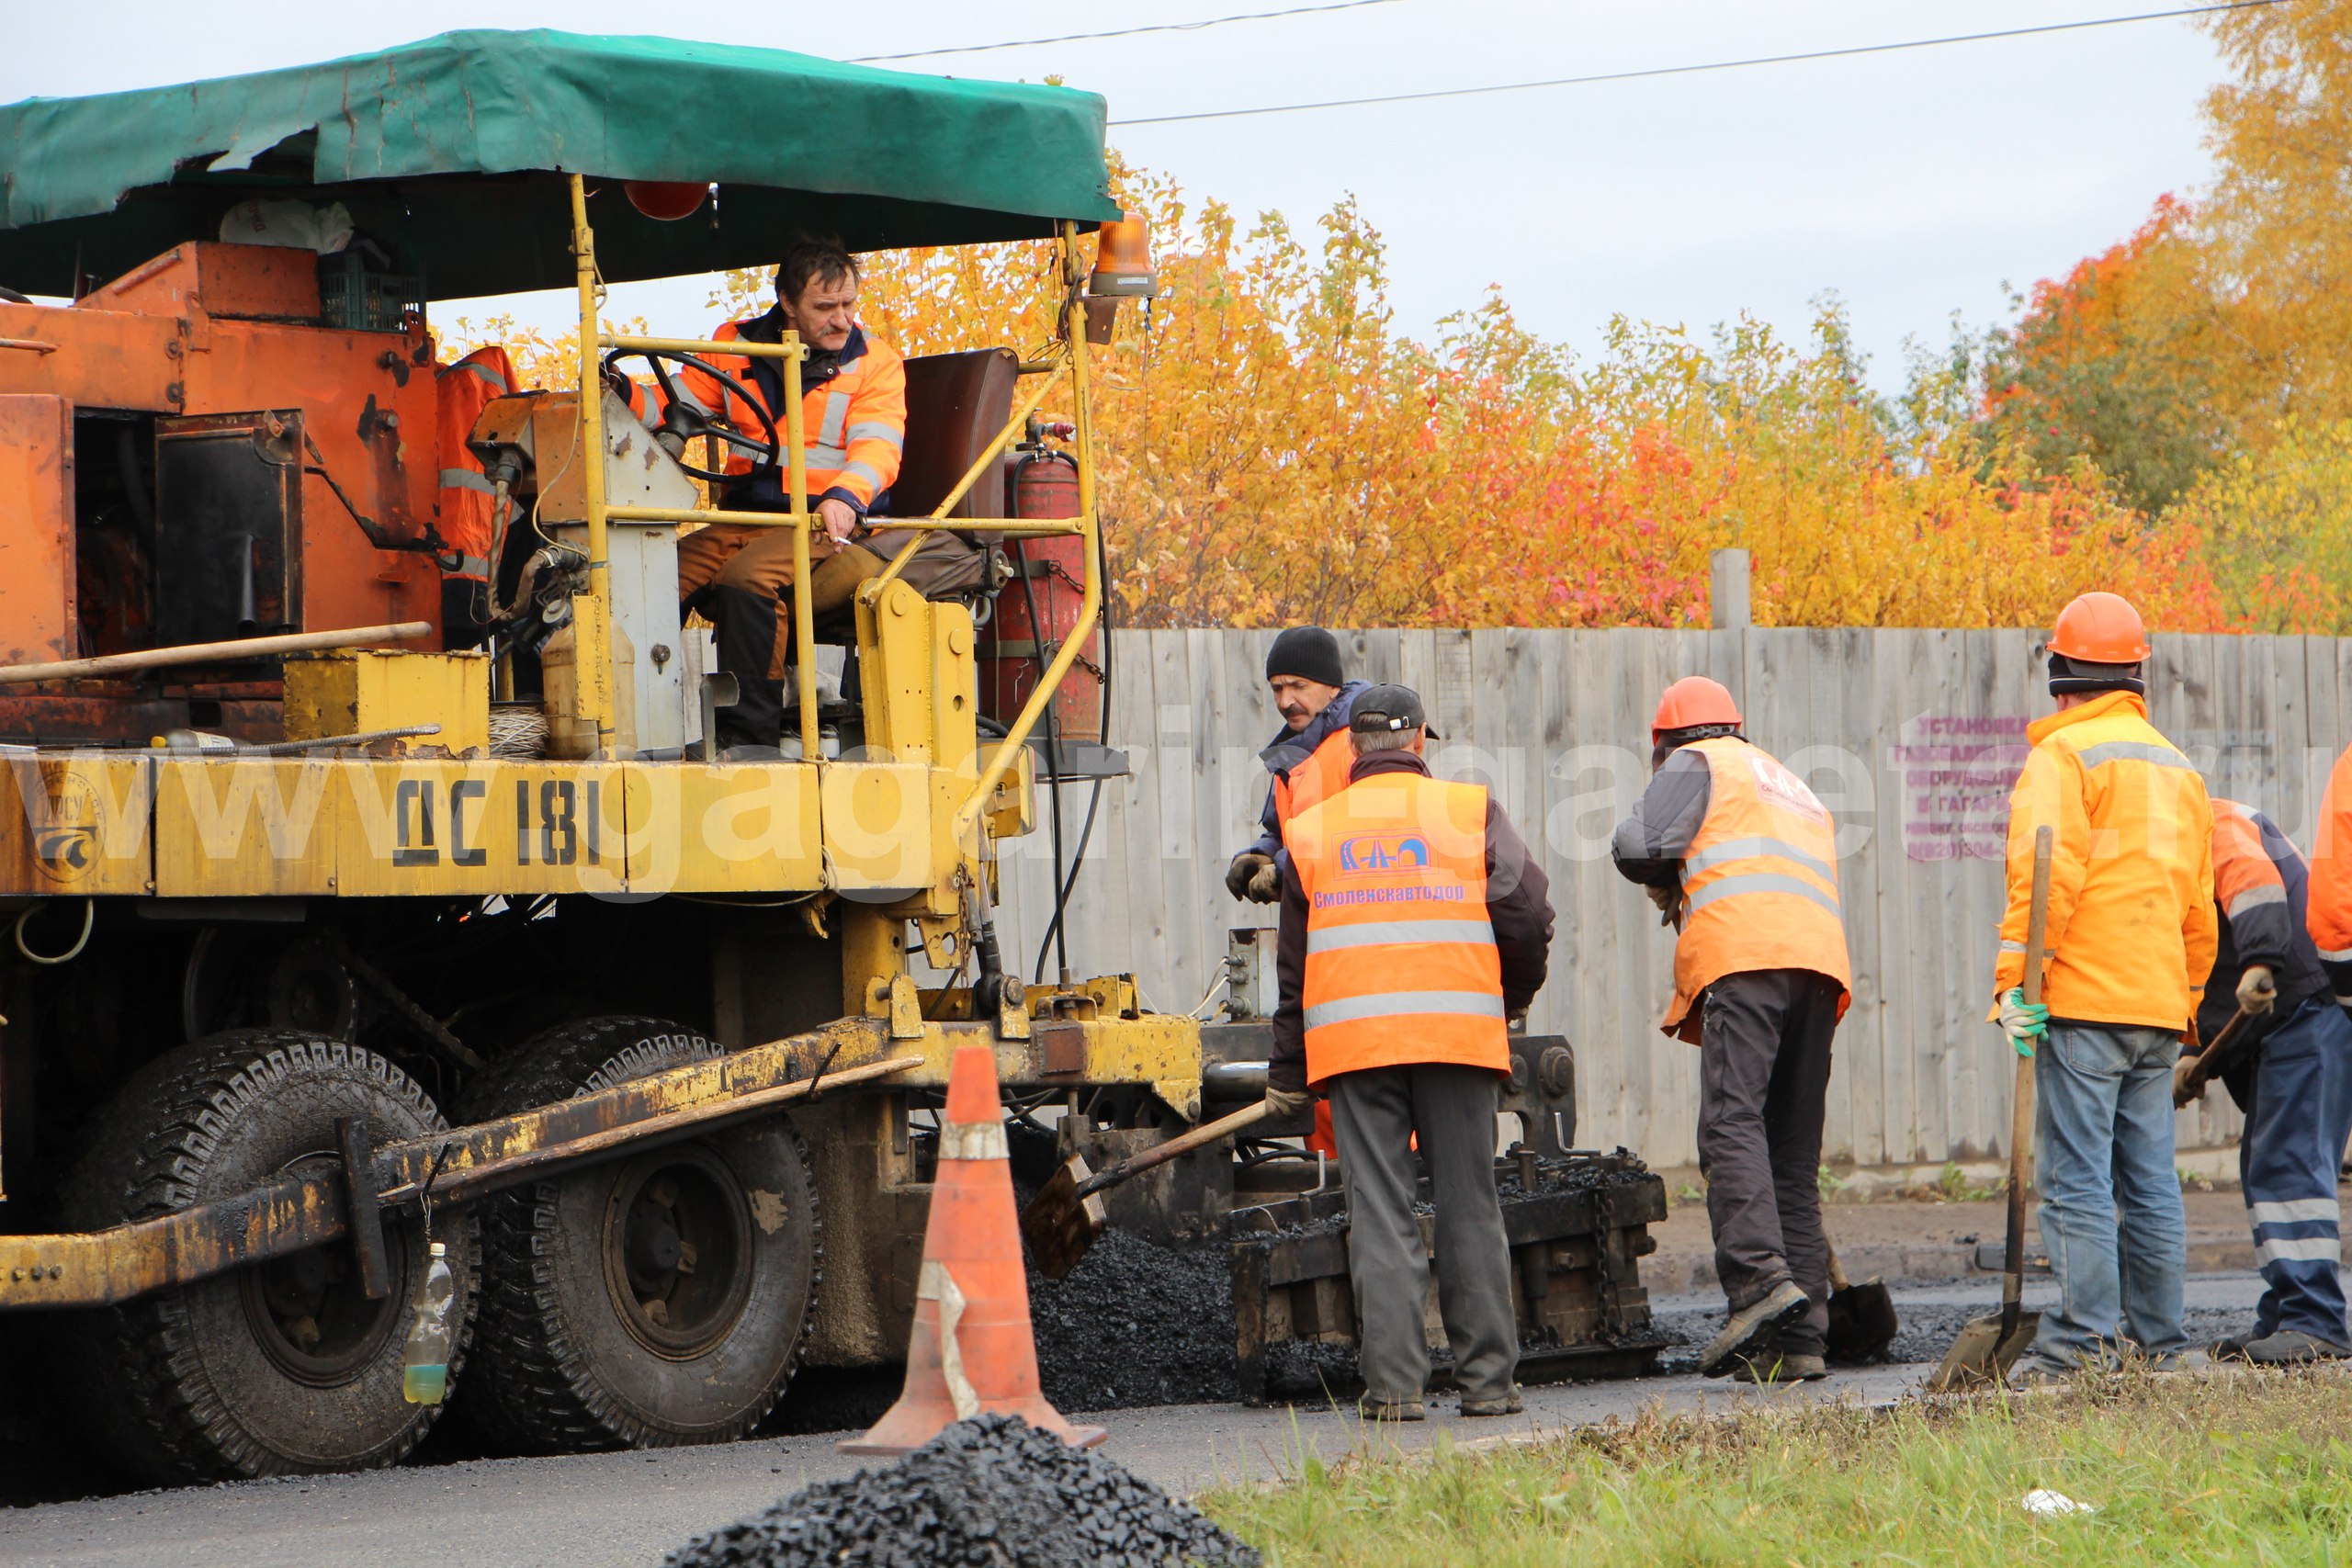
{"x": 2252, "y": 1469}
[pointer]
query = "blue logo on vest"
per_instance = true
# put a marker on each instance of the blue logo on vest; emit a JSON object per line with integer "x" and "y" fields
{"x": 1369, "y": 852}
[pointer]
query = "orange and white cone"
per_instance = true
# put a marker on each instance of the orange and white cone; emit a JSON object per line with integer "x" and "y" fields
{"x": 971, "y": 1352}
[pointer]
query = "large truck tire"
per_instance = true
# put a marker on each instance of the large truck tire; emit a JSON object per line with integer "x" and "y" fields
{"x": 657, "y": 1299}
{"x": 280, "y": 1368}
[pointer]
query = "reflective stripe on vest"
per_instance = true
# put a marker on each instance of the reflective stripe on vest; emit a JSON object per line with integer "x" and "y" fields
{"x": 1760, "y": 880}
{"x": 1401, "y": 963}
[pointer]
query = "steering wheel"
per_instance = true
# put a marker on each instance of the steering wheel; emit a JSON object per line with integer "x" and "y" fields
{"x": 682, "y": 419}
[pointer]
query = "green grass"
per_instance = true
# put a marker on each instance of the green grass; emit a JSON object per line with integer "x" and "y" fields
{"x": 2252, "y": 1470}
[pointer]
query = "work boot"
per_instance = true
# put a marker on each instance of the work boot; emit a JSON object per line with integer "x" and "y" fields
{"x": 1373, "y": 1409}
{"x": 1508, "y": 1404}
{"x": 1779, "y": 1367}
{"x": 2292, "y": 1347}
{"x": 1752, "y": 1327}
{"x": 2231, "y": 1347}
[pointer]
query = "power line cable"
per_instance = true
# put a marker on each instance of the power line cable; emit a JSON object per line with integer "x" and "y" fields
{"x": 1693, "y": 70}
{"x": 1125, "y": 32}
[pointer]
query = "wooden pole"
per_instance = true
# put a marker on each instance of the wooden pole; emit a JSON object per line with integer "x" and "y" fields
{"x": 208, "y": 652}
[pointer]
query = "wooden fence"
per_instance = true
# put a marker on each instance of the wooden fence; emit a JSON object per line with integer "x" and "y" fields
{"x": 1910, "y": 737}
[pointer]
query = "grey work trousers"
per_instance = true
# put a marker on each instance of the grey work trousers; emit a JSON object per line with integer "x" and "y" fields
{"x": 1763, "y": 1085}
{"x": 1375, "y": 1114}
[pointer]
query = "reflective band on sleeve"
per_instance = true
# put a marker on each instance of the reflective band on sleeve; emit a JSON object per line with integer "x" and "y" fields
{"x": 828, "y": 433}
{"x": 2008, "y": 946}
{"x": 2255, "y": 897}
{"x": 484, "y": 371}
{"x": 2292, "y": 1210}
{"x": 1394, "y": 1004}
{"x": 2132, "y": 751}
{"x": 466, "y": 478}
{"x": 1762, "y": 882}
{"x": 827, "y": 458}
{"x": 1382, "y": 933}
{"x": 2335, "y": 955}
{"x": 878, "y": 429}
{"x": 687, "y": 395}
{"x": 972, "y": 1140}
{"x": 1751, "y": 848}
{"x": 2299, "y": 1249}
{"x": 865, "y": 472}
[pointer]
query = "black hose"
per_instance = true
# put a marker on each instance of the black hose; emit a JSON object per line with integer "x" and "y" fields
{"x": 1061, "y": 900}
{"x": 1053, "y": 759}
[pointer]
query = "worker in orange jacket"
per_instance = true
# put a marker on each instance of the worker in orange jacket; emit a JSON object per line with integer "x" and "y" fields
{"x": 853, "y": 428}
{"x": 1743, "y": 859}
{"x": 2295, "y": 1087}
{"x": 2129, "y": 938}
{"x": 1308, "y": 760}
{"x": 1415, "y": 924}
{"x": 467, "y": 517}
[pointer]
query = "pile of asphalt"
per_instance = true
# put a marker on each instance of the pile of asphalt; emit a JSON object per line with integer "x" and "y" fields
{"x": 992, "y": 1493}
{"x": 1135, "y": 1322}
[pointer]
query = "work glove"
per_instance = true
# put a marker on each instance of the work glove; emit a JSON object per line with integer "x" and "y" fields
{"x": 1244, "y": 871}
{"x": 1284, "y": 1104}
{"x": 1668, "y": 901}
{"x": 2257, "y": 992}
{"x": 2025, "y": 1022}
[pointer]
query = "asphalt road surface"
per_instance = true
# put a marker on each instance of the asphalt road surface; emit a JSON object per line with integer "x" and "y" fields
{"x": 593, "y": 1510}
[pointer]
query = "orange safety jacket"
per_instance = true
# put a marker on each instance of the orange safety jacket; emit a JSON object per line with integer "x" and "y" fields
{"x": 2328, "y": 914}
{"x": 1401, "y": 963}
{"x": 2132, "y": 927}
{"x": 468, "y": 533}
{"x": 852, "y": 422}
{"x": 1315, "y": 780}
{"x": 1759, "y": 881}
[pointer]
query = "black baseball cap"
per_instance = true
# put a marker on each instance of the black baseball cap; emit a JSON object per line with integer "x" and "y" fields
{"x": 1382, "y": 710}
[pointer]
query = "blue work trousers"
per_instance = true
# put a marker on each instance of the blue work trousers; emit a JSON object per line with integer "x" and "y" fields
{"x": 2297, "y": 1118}
{"x": 2111, "y": 1214}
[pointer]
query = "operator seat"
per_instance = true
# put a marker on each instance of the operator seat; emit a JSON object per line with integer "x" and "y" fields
{"x": 956, "y": 405}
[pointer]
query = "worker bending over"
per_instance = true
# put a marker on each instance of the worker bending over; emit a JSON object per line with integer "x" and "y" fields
{"x": 1308, "y": 757}
{"x": 2297, "y": 1093}
{"x": 854, "y": 427}
{"x": 1740, "y": 855}
{"x": 2129, "y": 938}
{"x": 1414, "y": 925}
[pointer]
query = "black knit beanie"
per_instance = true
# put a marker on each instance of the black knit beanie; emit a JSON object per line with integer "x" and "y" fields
{"x": 1309, "y": 652}
{"x": 2072, "y": 675}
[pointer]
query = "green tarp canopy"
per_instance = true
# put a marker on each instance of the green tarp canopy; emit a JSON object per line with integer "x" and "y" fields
{"x": 452, "y": 155}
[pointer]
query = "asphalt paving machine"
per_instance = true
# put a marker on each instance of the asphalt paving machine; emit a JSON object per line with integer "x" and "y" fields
{"x": 328, "y": 941}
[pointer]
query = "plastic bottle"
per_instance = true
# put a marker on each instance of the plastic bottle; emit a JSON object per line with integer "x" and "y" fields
{"x": 424, "y": 1365}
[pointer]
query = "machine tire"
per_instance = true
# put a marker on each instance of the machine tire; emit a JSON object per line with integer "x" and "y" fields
{"x": 280, "y": 1368}
{"x": 569, "y": 1360}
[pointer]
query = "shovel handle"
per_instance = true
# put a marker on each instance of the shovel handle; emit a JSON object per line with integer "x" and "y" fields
{"x": 1183, "y": 1144}
{"x": 2021, "y": 1109}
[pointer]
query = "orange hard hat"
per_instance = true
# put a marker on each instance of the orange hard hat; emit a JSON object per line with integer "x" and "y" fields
{"x": 1692, "y": 701}
{"x": 2100, "y": 628}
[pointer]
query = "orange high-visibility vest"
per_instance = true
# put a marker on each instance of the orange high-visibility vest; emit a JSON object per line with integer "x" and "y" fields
{"x": 852, "y": 427}
{"x": 1401, "y": 963}
{"x": 1323, "y": 775}
{"x": 1761, "y": 881}
{"x": 467, "y": 531}
{"x": 2327, "y": 913}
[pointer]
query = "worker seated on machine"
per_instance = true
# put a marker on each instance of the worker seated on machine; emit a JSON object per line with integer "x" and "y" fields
{"x": 854, "y": 423}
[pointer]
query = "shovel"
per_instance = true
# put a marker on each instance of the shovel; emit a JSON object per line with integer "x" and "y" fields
{"x": 1862, "y": 1318}
{"x": 1067, "y": 1216}
{"x": 1988, "y": 1347}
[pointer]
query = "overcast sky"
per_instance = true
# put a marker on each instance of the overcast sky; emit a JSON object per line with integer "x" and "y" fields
{"x": 1912, "y": 185}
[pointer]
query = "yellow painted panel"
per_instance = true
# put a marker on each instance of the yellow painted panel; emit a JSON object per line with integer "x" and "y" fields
{"x": 741, "y": 827}
{"x": 878, "y": 826}
{"x": 74, "y": 824}
{"x": 245, "y": 827}
{"x": 351, "y": 691}
{"x": 478, "y": 827}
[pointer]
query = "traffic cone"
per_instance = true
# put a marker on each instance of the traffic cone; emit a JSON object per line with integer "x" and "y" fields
{"x": 971, "y": 1351}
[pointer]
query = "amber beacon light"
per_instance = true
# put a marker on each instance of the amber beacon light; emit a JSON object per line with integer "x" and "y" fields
{"x": 1122, "y": 262}
{"x": 667, "y": 200}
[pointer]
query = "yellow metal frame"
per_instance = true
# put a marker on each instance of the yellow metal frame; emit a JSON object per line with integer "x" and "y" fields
{"x": 1065, "y": 357}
